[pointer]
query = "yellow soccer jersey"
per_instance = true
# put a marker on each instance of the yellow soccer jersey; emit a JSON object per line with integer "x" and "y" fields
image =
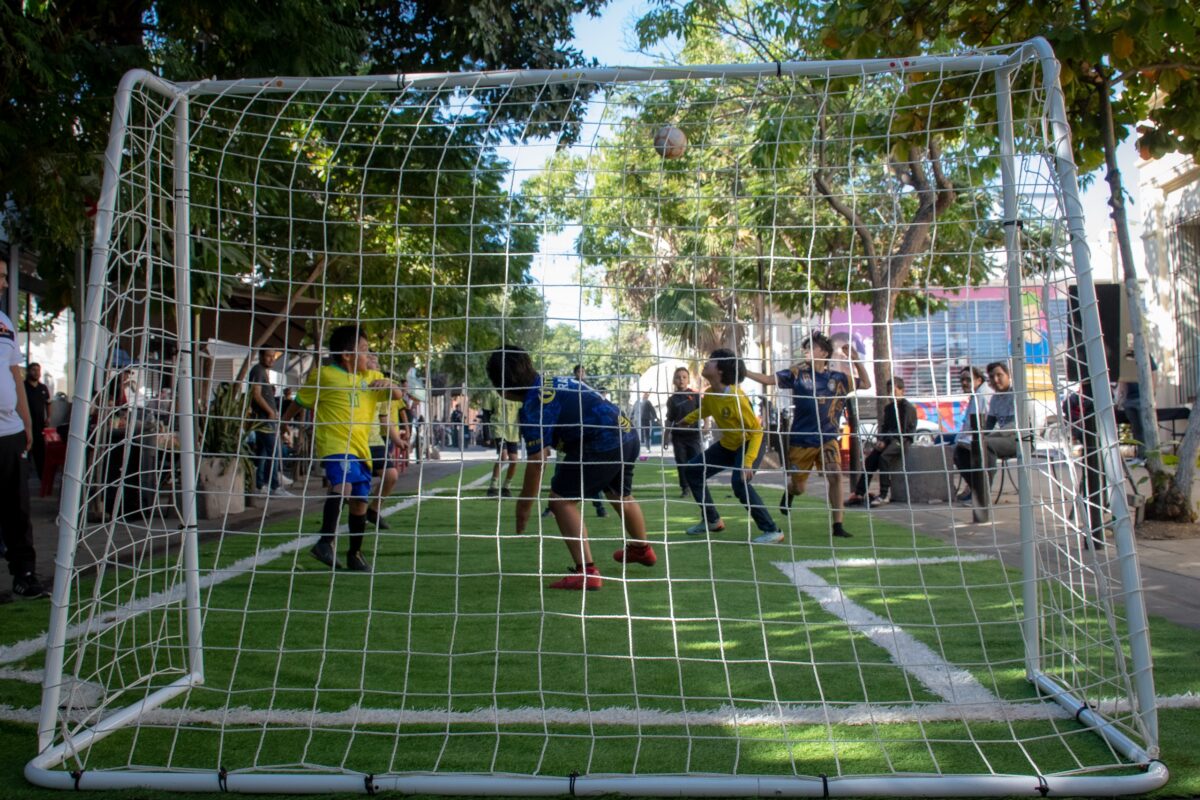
{"x": 735, "y": 417}
{"x": 345, "y": 410}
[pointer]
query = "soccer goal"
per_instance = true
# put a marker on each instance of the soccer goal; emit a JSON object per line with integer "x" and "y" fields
{"x": 922, "y": 213}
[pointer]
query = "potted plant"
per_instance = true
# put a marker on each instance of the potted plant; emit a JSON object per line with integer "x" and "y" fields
{"x": 225, "y": 465}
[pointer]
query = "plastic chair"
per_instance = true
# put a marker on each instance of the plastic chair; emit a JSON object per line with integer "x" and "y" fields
{"x": 54, "y": 460}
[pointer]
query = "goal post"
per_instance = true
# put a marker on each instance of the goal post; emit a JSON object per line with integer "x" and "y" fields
{"x": 999, "y": 648}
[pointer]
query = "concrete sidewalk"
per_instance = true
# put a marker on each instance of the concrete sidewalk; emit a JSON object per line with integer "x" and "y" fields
{"x": 1170, "y": 567}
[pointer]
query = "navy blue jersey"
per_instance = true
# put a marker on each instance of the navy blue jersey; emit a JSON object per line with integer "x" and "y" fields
{"x": 568, "y": 415}
{"x": 818, "y": 399}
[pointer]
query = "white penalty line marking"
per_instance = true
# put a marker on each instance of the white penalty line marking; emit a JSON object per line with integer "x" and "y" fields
{"x": 952, "y": 684}
{"x": 29, "y": 647}
{"x": 726, "y": 716}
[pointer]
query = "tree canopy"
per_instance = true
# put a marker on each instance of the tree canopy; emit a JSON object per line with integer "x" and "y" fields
{"x": 60, "y": 64}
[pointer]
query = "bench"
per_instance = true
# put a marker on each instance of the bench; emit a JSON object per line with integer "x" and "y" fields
{"x": 925, "y": 475}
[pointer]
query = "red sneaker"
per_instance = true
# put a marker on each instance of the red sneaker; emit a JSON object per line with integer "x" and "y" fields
{"x": 576, "y": 580}
{"x": 633, "y": 554}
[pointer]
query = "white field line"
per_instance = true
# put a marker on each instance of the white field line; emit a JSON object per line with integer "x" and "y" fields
{"x": 29, "y": 647}
{"x": 857, "y": 714}
{"x": 952, "y": 684}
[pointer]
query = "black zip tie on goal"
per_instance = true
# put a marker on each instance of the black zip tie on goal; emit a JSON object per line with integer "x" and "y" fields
{"x": 778, "y": 69}
{"x": 1080, "y": 710}
{"x": 369, "y": 783}
{"x": 223, "y": 779}
{"x": 77, "y": 774}
{"x": 401, "y": 81}
{"x": 824, "y": 785}
{"x": 1020, "y": 225}
{"x": 571, "y": 787}
{"x": 1043, "y": 787}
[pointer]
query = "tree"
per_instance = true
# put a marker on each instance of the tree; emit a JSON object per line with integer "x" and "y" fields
{"x": 853, "y": 233}
{"x": 60, "y": 63}
{"x": 1148, "y": 49}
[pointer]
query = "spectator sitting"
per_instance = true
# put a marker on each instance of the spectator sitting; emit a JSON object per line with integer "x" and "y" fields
{"x": 893, "y": 437}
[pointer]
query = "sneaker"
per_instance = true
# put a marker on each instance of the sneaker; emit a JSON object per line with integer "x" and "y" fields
{"x": 601, "y": 511}
{"x": 506, "y": 492}
{"x": 547, "y": 512}
{"x": 323, "y": 552}
{"x": 635, "y": 554}
{"x": 769, "y": 537}
{"x": 356, "y": 562}
{"x": 965, "y": 497}
{"x": 785, "y": 504}
{"x": 842, "y": 533}
{"x": 285, "y": 481}
{"x": 28, "y": 587}
{"x": 373, "y": 518}
{"x": 279, "y": 491}
{"x": 880, "y": 500}
{"x": 493, "y": 491}
{"x": 701, "y": 528}
{"x": 577, "y": 580}
{"x": 854, "y": 500}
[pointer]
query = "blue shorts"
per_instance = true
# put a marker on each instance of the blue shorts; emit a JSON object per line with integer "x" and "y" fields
{"x": 348, "y": 469}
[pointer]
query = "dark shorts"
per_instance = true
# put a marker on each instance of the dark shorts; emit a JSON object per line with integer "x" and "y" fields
{"x": 589, "y": 474}
{"x": 348, "y": 469}
{"x": 380, "y": 459}
{"x": 513, "y": 448}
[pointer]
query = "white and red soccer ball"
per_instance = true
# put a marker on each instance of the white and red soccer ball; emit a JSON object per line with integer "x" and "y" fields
{"x": 670, "y": 142}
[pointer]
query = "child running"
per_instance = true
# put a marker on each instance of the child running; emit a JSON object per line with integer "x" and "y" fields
{"x": 819, "y": 398}
{"x": 598, "y": 452}
{"x": 739, "y": 449}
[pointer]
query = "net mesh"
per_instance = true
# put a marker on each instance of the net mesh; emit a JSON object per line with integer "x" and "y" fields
{"x": 450, "y": 215}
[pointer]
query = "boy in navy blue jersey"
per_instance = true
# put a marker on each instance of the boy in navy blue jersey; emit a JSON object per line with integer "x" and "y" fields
{"x": 819, "y": 395}
{"x": 599, "y": 450}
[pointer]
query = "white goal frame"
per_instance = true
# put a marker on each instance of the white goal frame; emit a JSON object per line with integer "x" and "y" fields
{"x": 50, "y": 768}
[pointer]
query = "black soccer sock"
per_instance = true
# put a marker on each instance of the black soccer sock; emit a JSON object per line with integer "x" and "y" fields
{"x": 330, "y": 516}
{"x": 358, "y": 526}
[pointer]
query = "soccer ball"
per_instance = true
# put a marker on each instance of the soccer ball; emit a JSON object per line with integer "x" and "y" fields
{"x": 670, "y": 142}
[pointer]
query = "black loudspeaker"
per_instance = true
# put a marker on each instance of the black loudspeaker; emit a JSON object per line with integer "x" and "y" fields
{"x": 1114, "y": 328}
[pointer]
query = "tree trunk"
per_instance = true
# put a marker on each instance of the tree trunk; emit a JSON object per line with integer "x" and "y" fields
{"x": 1137, "y": 317}
{"x": 1174, "y": 501}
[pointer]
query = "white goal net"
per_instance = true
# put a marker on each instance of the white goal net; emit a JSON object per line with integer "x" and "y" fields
{"x": 934, "y": 594}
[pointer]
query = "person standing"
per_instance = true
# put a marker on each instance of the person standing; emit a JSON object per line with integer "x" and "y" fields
{"x": 507, "y": 435}
{"x": 16, "y": 436}
{"x": 647, "y": 418}
{"x": 344, "y": 398}
{"x": 685, "y": 440}
{"x": 37, "y": 395}
{"x": 264, "y": 410}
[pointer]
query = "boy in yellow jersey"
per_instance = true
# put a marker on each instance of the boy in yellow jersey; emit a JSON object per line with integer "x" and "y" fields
{"x": 506, "y": 434}
{"x": 344, "y": 396}
{"x": 385, "y": 439}
{"x": 739, "y": 449}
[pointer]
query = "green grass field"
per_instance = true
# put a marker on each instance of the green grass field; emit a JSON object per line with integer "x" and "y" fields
{"x": 455, "y": 656}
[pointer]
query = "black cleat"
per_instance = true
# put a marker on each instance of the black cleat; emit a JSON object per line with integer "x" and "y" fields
{"x": 356, "y": 563}
{"x": 323, "y": 552}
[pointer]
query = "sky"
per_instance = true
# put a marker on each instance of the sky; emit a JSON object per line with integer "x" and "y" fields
{"x": 609, "y": 38}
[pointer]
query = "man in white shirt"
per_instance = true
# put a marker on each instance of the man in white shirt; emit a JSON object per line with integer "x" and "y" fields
{"x": 16, "y": 437}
